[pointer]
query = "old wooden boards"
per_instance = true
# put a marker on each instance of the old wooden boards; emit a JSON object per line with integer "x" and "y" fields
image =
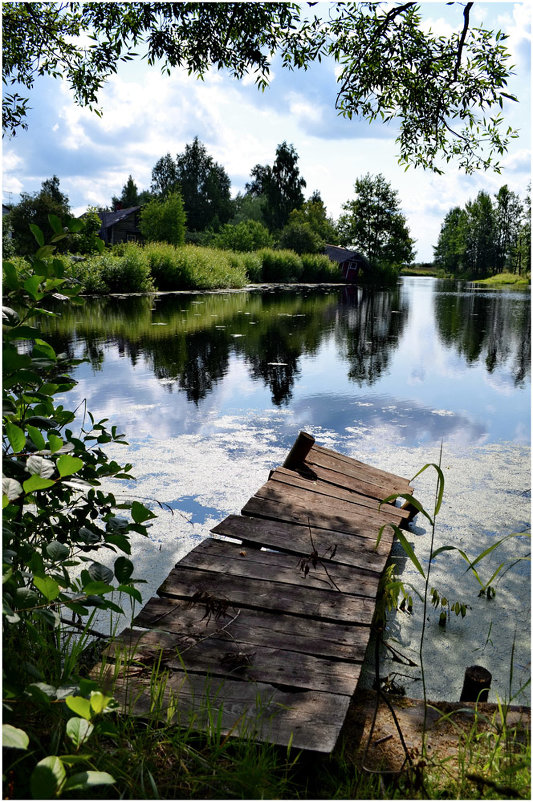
{"x": 263, "y": 630}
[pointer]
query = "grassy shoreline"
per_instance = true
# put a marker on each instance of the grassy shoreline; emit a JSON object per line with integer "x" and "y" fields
{"x": 505, "y": 280}
{"x": 133, "y": 268}
{"x": 159, "y": 267}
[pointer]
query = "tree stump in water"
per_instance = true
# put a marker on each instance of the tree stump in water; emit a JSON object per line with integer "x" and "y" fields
{"x": 476, "y": 684}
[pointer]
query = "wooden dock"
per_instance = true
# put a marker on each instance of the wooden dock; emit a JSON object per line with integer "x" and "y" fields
{"x": 263, "y": 629}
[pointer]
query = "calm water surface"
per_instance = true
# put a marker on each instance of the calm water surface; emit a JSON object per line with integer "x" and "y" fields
{"x": 211, "y": 390}
{"x": 426, "y": 361}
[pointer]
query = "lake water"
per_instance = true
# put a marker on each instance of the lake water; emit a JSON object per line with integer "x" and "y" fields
{"x": 212, "y": 389}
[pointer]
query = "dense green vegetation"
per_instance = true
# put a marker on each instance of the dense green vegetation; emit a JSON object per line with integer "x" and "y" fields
{"x": 487, "y": 237}
{"x": 59, "y": 529}
{"x": 505, "y": 280}
{"x": 286, "y": 234}
{"x": 160, "y": 266}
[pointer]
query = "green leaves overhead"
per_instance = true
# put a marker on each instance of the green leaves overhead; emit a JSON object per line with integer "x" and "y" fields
{"x": 445, "y": 92}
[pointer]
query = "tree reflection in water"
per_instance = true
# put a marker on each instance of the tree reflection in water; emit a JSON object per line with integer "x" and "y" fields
{"x": 189, "y": 341}
{"x": 493, "y": 327}
{"x": 369, "y": 330}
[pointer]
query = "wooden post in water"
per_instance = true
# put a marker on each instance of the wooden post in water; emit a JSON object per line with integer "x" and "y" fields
{"x": 299, "y": 451}
{"x": 476, "y": 684}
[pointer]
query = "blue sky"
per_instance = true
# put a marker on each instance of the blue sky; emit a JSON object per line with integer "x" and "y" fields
{"x": 146, "y": 115}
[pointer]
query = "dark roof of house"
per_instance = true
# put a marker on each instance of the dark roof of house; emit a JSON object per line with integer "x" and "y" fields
{"x": 111, "y": 218}
{"x": 340, "y": 255}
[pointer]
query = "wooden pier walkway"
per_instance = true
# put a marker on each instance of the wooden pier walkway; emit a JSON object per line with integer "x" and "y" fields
{"x": 271, "y": 626}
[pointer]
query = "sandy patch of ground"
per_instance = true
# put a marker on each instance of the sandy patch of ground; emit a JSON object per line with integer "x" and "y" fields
{"x": 446, "y": 725}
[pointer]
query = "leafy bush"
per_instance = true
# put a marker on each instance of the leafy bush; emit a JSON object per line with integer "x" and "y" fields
{"x": 164, "y": 220}
{"x": 253, "y": 266}
{"x": 20, "y": 263}
{"x": 168, "y": 270}
{"x": 212, "y": 268}
{"x": 246, "y": 236}
{"x": 8, "y": 243}
{"x": 204, "y": 239}
{"x": 88, "y": 272}
{"x": 381, "y": 275}
{"x": 128, "y": 273}
{"x": 301, "y": 238}
{"x": 87, "y": 241}
{"x": 283, "y": 266}
{"x": 57, "y": 524}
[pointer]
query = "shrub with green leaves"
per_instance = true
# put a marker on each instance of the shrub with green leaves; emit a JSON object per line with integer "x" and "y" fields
{"x": 88, "y": 272}
{"x": 168, "y": 271}
{"x": 212, "y": 268}
{"x": 253, "y": 265}
{"x": 129, "y": 272}
{"x": 246, "y": 236}
{"x": 59, "y": 527}
{"x": 301, "y": 237}
{"x": 163, "y": 220}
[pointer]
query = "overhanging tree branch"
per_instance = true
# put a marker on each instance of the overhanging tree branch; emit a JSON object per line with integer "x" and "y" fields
{"x": 466, "y": 15}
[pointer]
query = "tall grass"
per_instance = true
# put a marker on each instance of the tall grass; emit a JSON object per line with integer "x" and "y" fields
{"x": 130, "y": 267}
{"x": 281, "y": 266}
{"x": 318, "y": 267}
{"x": 506, "y": 279}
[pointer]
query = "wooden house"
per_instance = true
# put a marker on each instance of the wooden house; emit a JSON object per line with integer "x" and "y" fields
{"x": 351, "y": 263}
{"x": 121, "y": 226}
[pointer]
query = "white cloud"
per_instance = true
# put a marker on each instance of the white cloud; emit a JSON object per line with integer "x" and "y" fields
{"x": 302, "y": 108}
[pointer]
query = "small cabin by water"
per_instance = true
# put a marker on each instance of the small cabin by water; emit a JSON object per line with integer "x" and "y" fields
{"x": 351, "y": 263}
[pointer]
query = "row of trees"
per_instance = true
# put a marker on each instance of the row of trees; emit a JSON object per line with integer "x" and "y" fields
{"x": 190, "y": 200}
{"x": 272, "y": 210}
{"x": 205, "y": 187}
{"x": 487, "y": 236}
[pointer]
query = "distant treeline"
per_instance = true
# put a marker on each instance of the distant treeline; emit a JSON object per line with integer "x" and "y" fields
{"x": 487, "y": 236}
{"x": 189, "y": 202}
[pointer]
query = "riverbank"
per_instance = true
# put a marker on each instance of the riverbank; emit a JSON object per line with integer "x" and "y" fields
{"x": 505, "y": 280}
{"x": 430, "y": 272}
{"x": 133, "y": 268}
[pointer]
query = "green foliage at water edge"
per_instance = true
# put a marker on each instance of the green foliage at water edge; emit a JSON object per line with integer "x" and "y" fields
{"x": 59, "y": 532}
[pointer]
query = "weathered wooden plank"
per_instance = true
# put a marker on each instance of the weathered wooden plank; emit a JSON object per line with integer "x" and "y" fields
{"x": 235, "y": 660}
{"x": 307, "y": 719}
{"x": 332, "y": 494}
{"x": 372, "y": 470}
{"x": 335, "y": 480}
{"x": 288, "y": 496}
{"x": 231, "y": 558}
{"x": 268, "y": 595}
{"x": 389, "y": 482}
{"x": 187, "y": 624}
{"x": 319, "y": 516}
{"x": 350, "y": 549}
